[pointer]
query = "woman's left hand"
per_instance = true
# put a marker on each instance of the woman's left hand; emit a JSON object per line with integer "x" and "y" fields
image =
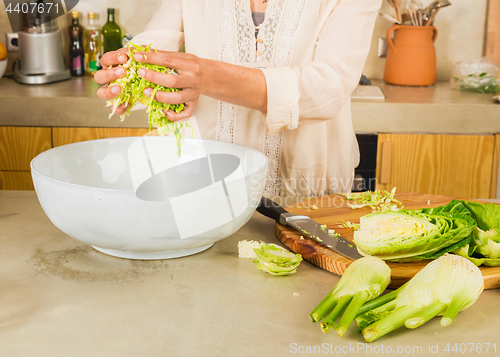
{"x": 190, "y": 80}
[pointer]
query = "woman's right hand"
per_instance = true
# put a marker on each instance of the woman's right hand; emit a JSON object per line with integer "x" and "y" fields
{"x": 110, "y": 62}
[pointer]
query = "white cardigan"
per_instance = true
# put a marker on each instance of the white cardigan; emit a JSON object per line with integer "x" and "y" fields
{"x": 311, "y": 52}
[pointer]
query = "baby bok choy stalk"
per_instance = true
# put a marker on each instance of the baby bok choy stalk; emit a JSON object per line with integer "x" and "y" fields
{"x": 445, "y": 286}
{"x": 364, "y": 280}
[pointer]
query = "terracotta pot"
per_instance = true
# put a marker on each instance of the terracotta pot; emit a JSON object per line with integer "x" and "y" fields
{"x": 411, "y": 57}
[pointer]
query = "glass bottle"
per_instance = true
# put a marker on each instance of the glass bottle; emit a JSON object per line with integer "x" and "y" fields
{"x": 76, "y": 54}
{"x": 92, "y": 45}
{"x": 112, "y": 34}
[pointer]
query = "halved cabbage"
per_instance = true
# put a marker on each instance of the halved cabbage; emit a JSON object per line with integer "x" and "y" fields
{"x": 413, "y": 235}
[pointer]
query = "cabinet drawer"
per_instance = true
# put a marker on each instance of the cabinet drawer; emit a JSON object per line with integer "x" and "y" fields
{"x": 63, "y": 136}
{"x": 19, "y": 145}
{"x": 16, "y": 180}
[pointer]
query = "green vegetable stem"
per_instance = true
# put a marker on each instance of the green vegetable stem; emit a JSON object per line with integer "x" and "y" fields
{"x": 364, "y": 280}
{"x": 445, "y": 286}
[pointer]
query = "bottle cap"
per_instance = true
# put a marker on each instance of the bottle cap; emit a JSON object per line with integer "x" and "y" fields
{"x": 75, "y": 14}
{"x": 91, "y": 15}
{"x": 111, "y": 11}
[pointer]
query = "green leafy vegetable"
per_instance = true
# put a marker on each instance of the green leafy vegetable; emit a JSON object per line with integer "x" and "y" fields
{"x": 484, "y": 247}
{"x": 445, "y": 286}
{"x": 348, "y": 224}
{"x": 413, "y": 235}
{"x": 376, "y": 200}
{"x": 133, "y": 86}
{"x": 364, "y": 280}
{"x": 275, "y": 261}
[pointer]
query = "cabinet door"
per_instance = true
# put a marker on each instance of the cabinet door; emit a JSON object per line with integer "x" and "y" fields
{"x": 454, "y": 165}
{"x": 19, "y": 145}
{"x": 63, "y": 136}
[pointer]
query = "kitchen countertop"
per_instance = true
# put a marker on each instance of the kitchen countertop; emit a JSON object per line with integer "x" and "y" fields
{"x": 60, "y": 297}
{"x": 434, "y": 109}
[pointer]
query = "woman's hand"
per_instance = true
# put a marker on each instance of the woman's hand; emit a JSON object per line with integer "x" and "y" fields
{"x": 190, "y": 80}
{"x": 111, "y": 71}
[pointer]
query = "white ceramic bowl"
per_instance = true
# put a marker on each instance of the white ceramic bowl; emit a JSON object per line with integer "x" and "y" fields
{"x": 135, "y": 198}
{"x": 3, "y": 67}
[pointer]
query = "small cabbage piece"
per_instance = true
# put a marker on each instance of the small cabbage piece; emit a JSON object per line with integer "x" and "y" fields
{"x": 246, "y": 248}
{"x": 276, "y": 261}
{"x": 133, "y": 86}
{"x": 364, "y": 280}
{"x": 484, "y": 247}
{"x": 414, "y": 235}
{"x": 376, "y": 200}
{"x": 445, "y": 286}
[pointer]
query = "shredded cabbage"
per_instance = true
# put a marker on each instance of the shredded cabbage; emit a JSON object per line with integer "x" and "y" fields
{"x": 133, "y": 86}
{"x": 376, "y": 200}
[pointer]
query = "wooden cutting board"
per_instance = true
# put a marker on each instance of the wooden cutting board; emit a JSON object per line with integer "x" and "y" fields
{"x": 332, "y": 210}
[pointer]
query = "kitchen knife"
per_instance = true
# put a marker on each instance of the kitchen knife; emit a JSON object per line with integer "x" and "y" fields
{"x": 307, "y": 227}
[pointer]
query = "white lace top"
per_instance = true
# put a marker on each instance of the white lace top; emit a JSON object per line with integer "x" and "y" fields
{"x": 311, "y": 52}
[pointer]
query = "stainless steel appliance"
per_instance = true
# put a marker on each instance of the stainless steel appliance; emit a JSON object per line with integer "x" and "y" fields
{"x": 40, "y": 52}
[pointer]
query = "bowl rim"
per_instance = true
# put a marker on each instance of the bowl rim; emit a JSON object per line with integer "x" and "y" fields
{"x": 46, "y": 152}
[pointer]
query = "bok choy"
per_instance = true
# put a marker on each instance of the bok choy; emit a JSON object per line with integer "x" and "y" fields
{"x": 364, "y": 280}
{"x": 445, "y": 286}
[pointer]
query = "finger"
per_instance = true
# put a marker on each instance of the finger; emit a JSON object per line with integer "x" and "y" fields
{"x": 186, "y": 113}
{"x": 164, "y": 79}
{"x": 114, "y": 58}
{"x": 121, "y": 109}
{"x": 168, "y": 59}
{"x": 179, "y": 97}
{"x": 107, "y": 93}
{"x": 109, "y": 75}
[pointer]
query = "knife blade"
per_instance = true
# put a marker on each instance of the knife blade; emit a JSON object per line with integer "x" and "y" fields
{"x": 308, "y": 227}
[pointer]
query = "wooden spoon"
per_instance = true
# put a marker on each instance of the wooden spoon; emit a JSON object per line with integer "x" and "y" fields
{"x": 397, "y": 10}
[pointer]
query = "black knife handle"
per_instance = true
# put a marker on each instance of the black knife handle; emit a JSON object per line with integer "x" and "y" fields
{"x": 271, "y": 209}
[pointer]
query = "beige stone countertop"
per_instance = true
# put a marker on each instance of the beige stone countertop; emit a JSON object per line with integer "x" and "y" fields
{"x": 60, "y": 297}
{"x": 434, "y": 109}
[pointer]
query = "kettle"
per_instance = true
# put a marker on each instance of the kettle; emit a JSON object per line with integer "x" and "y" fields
{"x": 40, "y": 51}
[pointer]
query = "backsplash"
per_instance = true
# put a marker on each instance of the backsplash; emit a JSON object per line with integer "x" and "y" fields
{"x": 461, "y": 29}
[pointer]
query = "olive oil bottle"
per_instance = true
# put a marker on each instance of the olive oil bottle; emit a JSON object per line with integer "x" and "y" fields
{"x": 112, "y": 34}
{"x": 92, "y": 45}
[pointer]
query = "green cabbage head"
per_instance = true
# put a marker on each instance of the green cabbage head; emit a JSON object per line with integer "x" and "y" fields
{"x": 413, "y": 235}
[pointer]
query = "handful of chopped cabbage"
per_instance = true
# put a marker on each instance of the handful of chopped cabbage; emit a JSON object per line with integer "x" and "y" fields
{"x": 133, "y": 86}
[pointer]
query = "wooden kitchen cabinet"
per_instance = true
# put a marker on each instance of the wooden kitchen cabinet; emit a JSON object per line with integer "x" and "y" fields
{"x": 63, "y": 136}
{"x": 454, "y": 165}
{"x": 19, "y": 145}
{"x": 16, "y": 180}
